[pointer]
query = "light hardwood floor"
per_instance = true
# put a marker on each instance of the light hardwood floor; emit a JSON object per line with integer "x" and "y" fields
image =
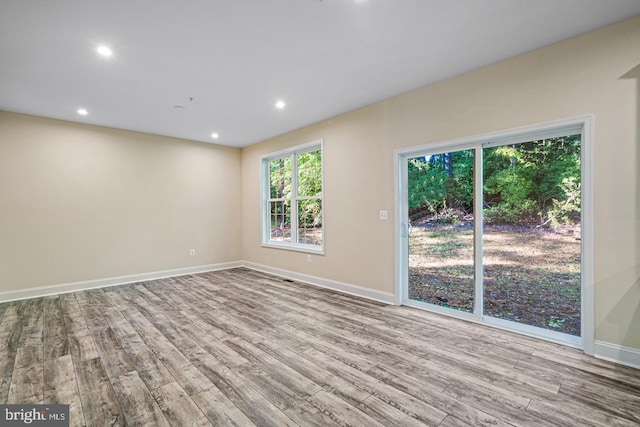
{"x": 239, "y": 347}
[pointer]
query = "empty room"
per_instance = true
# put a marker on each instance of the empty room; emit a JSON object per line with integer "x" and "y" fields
{"x": 320, "y": 212}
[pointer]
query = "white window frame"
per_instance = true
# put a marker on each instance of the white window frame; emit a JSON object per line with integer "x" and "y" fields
{"x": 582, "y": 125}
{"x": 265, "y": 177}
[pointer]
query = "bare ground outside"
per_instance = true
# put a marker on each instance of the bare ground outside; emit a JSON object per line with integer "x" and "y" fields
{"x": 306, "y": 235}
{"x": 531, "y": 275}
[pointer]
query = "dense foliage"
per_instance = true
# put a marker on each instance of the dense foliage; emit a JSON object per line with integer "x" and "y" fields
{"x": 536, "y": 182}
{"x": 308, "y": 174}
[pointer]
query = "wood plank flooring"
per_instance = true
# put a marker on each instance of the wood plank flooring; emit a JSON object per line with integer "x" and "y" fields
{"x": 241, "y": 348}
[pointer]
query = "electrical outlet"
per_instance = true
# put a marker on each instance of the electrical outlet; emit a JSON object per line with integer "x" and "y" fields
{"x": 384, "y": 215}
{"x": 192, "y": 252}
{"x": 308, "y": 258}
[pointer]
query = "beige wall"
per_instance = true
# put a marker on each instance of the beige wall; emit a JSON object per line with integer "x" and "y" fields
{"x": 592, "y": 74}
{"x": 84, "y": 202}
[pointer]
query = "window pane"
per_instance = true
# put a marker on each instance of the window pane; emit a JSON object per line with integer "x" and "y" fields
{"x": 310, "y": 221}
{"x": 441, "y": 243}
{"x": 293, "y": 188}
{"x": 310, "y": 174}
{"x": 532, "y": 240}
{"x": 280, "y": 178}
{"x": 280, "y": 221}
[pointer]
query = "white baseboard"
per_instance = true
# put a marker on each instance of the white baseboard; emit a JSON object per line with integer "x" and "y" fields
{"x": 347, "y": 288}
{"x": 112, "y": 281}
{"x": 616, "y": 353}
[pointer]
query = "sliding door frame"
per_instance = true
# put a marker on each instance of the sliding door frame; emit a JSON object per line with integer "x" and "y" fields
{"x": 582, "y": 125}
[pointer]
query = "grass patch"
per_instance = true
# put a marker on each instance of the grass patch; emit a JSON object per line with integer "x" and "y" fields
{"x": 531, "y": 275}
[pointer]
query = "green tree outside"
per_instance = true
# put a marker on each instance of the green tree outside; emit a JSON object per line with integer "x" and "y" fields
{"x": 531, "y": 183}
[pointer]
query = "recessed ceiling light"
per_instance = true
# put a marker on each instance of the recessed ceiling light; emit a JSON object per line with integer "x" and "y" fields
{"x": 104, "y": 51}
{"x": 280, "y": 105}
{"x": 215, "y": 135}
{"x": 82, "y": 111}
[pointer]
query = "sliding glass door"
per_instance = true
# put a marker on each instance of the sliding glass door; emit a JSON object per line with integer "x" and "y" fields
{"x": 531, "y": 233}
{"x": 492, "y": 232}
{"x": 441, "y": 241}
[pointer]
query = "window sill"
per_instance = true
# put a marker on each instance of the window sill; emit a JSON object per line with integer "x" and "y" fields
{"x": 295, "y": 248}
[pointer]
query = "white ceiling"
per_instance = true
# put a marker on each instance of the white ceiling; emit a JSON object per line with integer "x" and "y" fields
{"x": 235, "y": 58}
